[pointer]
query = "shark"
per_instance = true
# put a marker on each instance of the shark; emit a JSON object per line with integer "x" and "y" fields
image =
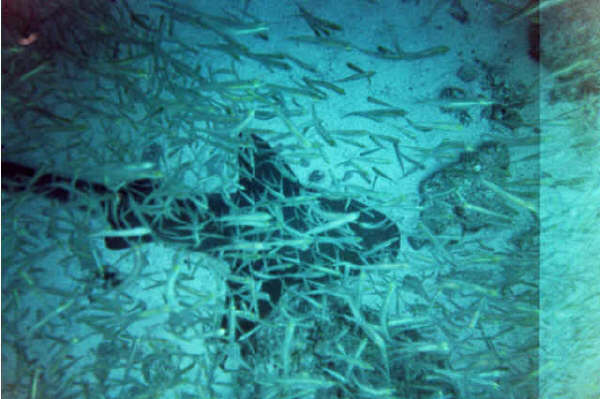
{"x": 299, "y": 246}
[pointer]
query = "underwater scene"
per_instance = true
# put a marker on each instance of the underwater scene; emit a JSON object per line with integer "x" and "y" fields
{"x": 300, "y": 199}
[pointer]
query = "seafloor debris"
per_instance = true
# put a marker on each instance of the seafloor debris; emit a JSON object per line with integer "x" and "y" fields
{"x": 457, "y": 199}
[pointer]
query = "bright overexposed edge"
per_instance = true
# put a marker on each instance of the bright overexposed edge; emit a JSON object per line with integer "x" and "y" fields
{"x": 570, "y": 253}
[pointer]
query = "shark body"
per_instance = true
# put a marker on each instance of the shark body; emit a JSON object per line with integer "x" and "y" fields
{"x": 267, "y": 186}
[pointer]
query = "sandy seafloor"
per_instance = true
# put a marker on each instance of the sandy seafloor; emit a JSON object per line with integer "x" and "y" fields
{"x": 58, "y": 350}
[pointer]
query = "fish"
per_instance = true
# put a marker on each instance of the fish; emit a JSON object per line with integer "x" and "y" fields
{"x": 344, "y": 232}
